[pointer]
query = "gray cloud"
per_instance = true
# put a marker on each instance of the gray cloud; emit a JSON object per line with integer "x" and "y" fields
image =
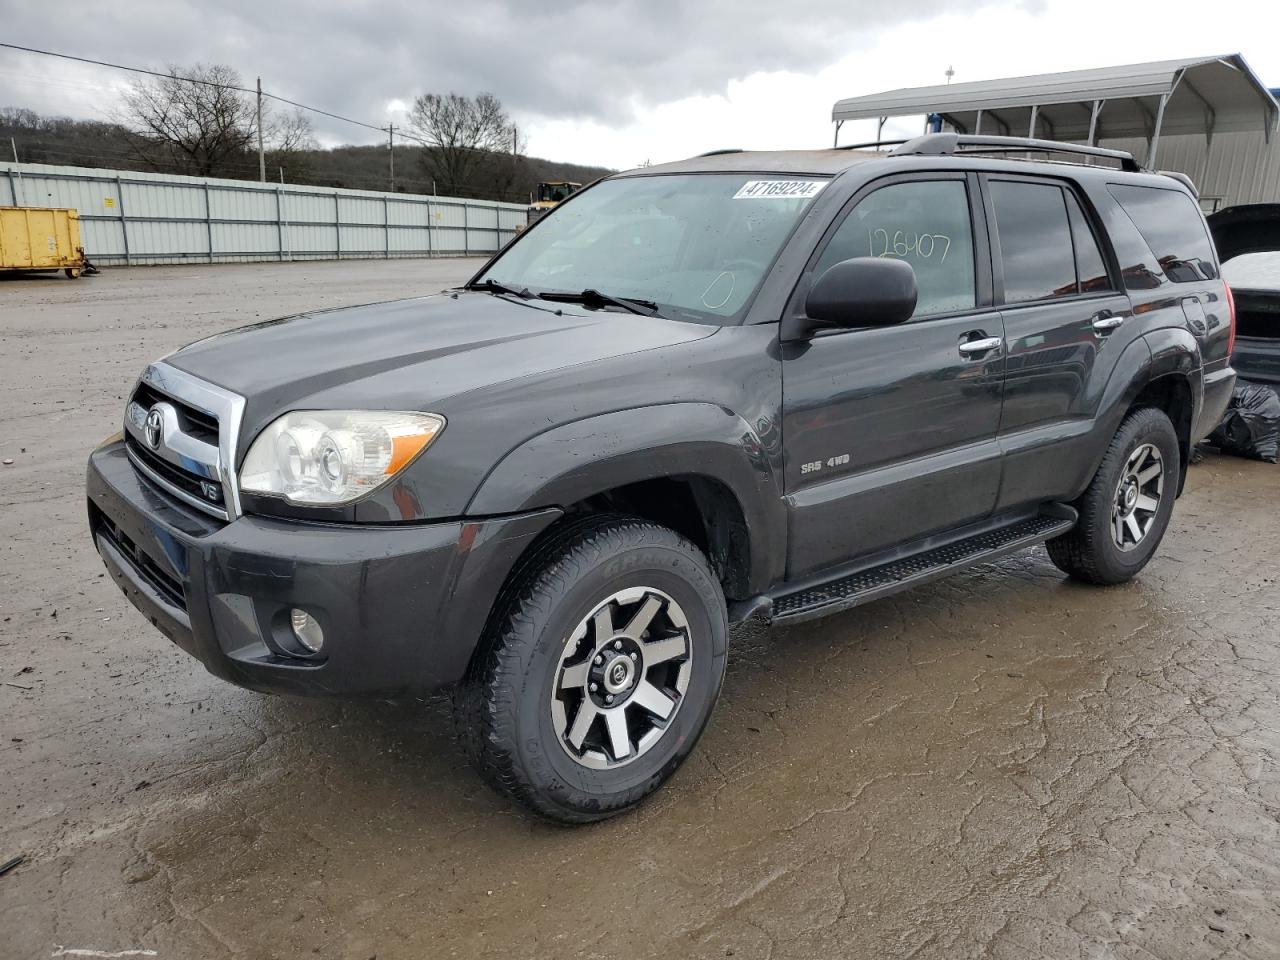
{"x": 596, "y": 60}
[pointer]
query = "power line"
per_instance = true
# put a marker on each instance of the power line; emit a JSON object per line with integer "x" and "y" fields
{"x": 206, "y": 83}
{"x": 258, "y": 92}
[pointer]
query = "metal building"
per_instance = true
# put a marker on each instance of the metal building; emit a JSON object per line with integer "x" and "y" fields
{"x": 1208, "y": 117}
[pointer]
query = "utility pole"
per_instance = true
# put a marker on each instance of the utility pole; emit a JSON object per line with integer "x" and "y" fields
{"x": 391, "y": 154}
{"x": 14, "y": 143}
{"x": 262, "y": 157}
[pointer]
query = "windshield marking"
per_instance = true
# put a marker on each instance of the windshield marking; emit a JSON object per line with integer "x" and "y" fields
{"x": 779, "y": 189}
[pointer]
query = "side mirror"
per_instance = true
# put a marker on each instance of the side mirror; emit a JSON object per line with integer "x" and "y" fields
{"x": 862, "y": 292}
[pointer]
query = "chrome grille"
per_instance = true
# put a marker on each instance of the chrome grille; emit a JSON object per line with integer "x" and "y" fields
{"x": 181, "y": 433}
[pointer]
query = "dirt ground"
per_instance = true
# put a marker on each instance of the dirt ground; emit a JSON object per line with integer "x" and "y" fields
{"x": 1000, "y": 765}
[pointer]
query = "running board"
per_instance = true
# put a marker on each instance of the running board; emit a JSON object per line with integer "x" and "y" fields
{"x": 842, "y": 593}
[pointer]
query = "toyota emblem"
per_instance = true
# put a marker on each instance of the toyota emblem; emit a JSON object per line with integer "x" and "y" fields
{"x": 153, "y": 429}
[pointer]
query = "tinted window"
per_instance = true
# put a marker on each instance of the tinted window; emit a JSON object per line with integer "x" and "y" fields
{"x": 1170, "y": 223}
{"x": 1035, "y": 241}
{"x": 1091, "y": 269}
{"x": 926, "y": 223}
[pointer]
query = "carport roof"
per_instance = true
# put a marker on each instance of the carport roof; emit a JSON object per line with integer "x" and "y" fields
{"x": 1206, "y": 95}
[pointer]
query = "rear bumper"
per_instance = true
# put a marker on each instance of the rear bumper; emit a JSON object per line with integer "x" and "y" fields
{"x": 1257, "y": 360}
{"x": 402, "y": 607}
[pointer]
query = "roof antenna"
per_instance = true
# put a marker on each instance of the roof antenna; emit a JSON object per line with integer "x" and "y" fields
{"x": 950, "y": 73}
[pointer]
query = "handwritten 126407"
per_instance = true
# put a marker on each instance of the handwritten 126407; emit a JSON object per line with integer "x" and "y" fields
{"x": 904, "y": 243}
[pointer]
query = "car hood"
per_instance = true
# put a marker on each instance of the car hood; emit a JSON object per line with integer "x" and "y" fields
{"x": 413, "y": 354}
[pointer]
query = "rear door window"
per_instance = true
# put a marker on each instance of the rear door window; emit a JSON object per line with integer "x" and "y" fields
{"x": 927, "y": 224}
{"x": 1035, "y": 240}
{"x": 1170, "y": 223}
{"x": 1091, "y": 268}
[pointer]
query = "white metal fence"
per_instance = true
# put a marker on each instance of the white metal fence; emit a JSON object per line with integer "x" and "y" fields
{"x": 147, "y": 218}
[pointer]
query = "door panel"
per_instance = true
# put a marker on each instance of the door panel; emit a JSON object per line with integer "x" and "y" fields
{"x": 1055, "y": 357}
{"x": 890, "y": 435}
{"x": 890, "y": 432}
{"x": 1066, "y": 324}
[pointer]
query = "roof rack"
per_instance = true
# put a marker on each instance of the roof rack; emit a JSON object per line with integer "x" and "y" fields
{"x": 717, "y": 153}
{"x": 945, "y": 144}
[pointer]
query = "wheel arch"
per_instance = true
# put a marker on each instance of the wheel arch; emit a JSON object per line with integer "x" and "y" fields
{"x": 1158, "y": 369}
{"x": 1172, "y": 394}
{"x": 695, "y": 467}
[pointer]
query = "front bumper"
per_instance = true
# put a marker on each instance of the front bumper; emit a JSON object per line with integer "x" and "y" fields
{"x": 402, "y": 607}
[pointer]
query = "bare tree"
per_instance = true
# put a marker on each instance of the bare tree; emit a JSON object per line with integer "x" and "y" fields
{"x": 20, "y": 118}
{"x": 201, "y": 121}
{"x": 288, "y": 140}
{"x": 463, "y": 136}
{"x": 200, "y": 127}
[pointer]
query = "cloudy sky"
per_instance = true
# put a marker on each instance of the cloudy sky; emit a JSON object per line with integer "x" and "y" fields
{"x": 612, "y": 82}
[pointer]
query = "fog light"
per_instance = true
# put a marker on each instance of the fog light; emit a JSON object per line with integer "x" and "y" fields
{"x": 306, "y": 630}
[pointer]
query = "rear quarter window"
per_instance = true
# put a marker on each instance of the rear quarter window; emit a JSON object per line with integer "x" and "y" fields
{"x": 1170, "y": 223}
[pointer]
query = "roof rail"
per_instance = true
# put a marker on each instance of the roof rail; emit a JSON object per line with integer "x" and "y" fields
{"x": 717, "y": 153}
{"x": 944, "y": 144}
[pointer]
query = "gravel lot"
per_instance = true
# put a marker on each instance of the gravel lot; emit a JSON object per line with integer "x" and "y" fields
{"x": 1000, "y": 765}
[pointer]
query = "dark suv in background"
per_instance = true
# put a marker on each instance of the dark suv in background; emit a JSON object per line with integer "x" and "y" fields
{"x": 775, "y": 384}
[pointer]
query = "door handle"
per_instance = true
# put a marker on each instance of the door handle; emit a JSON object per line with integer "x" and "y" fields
{"x": 1106, "y": 321}
{"x": 975, "y": 348}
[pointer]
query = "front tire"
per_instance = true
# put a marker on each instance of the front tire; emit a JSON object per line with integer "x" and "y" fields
{"x": 1126, "y": 508}
{"x": 598, "y": 671}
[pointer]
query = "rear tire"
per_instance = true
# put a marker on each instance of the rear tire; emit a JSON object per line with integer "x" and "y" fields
{"x": 1125, "y": 510}
{"x": 598, "y": 670}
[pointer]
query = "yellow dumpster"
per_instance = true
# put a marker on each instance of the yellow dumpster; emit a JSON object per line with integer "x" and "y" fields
{"x": 40, "y": 238}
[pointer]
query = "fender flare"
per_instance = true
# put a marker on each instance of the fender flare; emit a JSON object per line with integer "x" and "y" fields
{"x": 1165, "y": 351}
{"x": 1130, "y": 375}
{"x": 1175, "y": 351}
{"x": 577, "y": 460}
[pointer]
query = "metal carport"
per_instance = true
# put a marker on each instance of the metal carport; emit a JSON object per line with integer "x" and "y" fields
{"x": 1197, "y": 95}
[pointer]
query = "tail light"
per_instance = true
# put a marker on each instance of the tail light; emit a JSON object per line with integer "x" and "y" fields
{"x": 1231, "y": 320}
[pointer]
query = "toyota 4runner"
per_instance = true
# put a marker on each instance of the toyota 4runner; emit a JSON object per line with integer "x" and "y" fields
{"x": 777, "y": 384}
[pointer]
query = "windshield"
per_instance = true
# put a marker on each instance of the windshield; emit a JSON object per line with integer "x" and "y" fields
{"x": 695, "y": 245}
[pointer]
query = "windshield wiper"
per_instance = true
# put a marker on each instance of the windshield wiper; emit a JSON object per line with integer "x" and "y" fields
{"x": 594, "y": 298}
{"x": 493, "y": 286}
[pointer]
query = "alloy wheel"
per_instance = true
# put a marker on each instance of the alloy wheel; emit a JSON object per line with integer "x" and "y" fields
{"x": 1137, "y": 498}
{"x": 622, "y": 678}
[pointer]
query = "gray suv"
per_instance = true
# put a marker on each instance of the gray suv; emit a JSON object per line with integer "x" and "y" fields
{"x": 745, "y": 384}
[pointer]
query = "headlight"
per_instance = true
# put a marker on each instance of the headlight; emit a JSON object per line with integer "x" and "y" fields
{"x": 334, "y": 456}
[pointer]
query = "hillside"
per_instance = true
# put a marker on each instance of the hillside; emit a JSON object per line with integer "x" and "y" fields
{"x": 91, "y": 143}
{"x": 366, "y": 168}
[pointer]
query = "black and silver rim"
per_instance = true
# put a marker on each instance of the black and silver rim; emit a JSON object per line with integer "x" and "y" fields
{"x": 622, "y": 678}
{"x": 1137, "y": 497}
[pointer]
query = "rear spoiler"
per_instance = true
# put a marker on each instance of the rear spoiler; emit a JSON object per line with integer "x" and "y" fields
{"x": 1183, "y": 179}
